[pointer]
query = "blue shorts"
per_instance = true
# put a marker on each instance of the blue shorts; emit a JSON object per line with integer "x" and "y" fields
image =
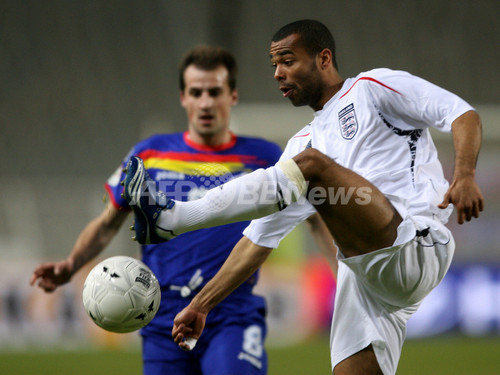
{"x": 221, "y": 350}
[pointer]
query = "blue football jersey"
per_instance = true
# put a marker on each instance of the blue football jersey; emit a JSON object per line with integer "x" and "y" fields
{"x": 185, "y": 171}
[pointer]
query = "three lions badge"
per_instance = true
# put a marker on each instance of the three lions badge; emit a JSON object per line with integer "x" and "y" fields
{"x": 348, "y": 123}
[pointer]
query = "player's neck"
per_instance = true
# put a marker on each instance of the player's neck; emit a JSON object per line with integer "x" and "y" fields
{"x": 328, "y": 93}
{"x": 210, "y": 140}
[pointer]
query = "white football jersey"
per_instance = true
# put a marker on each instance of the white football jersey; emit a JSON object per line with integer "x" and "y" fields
{"x": 377, "y": 125}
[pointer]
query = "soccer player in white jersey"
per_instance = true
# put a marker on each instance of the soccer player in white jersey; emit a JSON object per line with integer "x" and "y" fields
{"x": 368, "y": 165}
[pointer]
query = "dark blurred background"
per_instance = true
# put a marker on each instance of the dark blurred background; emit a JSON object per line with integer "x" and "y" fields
{"x": 80, "y": 79}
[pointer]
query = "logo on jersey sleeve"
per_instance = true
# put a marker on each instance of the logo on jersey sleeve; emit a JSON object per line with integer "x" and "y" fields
{"x": 347, "y": 122}
{"x": 116, "y": 177}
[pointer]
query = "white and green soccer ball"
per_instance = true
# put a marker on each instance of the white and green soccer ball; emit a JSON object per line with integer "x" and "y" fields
{"x": 121, "y": 294}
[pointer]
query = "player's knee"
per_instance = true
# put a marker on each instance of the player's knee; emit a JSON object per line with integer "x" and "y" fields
{"x": 312, "y": 163}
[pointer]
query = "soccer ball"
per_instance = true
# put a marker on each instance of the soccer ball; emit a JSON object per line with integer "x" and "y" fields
{"x": 121, "y": 294}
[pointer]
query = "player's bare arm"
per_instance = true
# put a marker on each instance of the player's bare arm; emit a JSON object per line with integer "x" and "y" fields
{"x": 91, "y": 241}
{"x": 464, "y": 193}
{"x": 324, "y": 240}
{"x": 244, "y": 260}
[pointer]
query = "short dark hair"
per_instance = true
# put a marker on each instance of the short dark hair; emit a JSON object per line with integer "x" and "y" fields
{"x": 314, "y": 35}
{"x": 207, "y": 57}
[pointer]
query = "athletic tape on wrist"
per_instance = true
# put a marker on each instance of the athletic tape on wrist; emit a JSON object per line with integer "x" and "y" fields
{"x": 294, "y": 174}
{"x": 292, "y": 171}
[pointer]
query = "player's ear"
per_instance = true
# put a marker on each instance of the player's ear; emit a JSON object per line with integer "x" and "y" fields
{"x": 324, "y": 58}
{"x": 182, "y": 98}
{"x": 235, "y": 97}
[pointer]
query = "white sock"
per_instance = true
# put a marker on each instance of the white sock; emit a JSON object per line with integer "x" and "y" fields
{"x": 252, "y": 196}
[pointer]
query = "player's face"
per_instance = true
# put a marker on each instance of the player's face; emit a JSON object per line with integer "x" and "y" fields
{"x": 296, "y": 72}
{"x": 207, "y": 100}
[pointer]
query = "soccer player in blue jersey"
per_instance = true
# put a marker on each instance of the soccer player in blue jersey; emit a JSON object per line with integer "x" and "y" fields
{"x": 185, "y": 165}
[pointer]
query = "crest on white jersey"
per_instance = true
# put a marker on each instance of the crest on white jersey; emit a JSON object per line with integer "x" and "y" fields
{"x": 348, "y": 123}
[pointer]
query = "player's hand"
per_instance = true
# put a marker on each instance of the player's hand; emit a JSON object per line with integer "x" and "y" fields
{"x": 52, "y": 275}
{"x": 188, "y": 326}
{"x": 466, "y": 196}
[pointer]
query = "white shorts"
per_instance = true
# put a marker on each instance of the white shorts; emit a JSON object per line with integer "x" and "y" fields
{"x": 378, "y": 292}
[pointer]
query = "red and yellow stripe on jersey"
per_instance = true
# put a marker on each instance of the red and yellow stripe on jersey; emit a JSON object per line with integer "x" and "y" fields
{"x": 186, "y": 169}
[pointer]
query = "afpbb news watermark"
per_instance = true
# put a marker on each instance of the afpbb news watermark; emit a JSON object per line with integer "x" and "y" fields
{"x": 268, "y": 193}
{"x": 258, "y": 193}
{"x": 318, "y": 195}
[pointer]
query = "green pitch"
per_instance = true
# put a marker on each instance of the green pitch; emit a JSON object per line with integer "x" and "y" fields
{"x": 439, "y": 356}
{"x": 457, "y": 356}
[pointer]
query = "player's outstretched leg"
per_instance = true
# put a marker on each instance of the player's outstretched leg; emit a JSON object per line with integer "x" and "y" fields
{"x": 362, "y": 222}
{"x": 254, "y": 195}
{"x": 147, "y": 202}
